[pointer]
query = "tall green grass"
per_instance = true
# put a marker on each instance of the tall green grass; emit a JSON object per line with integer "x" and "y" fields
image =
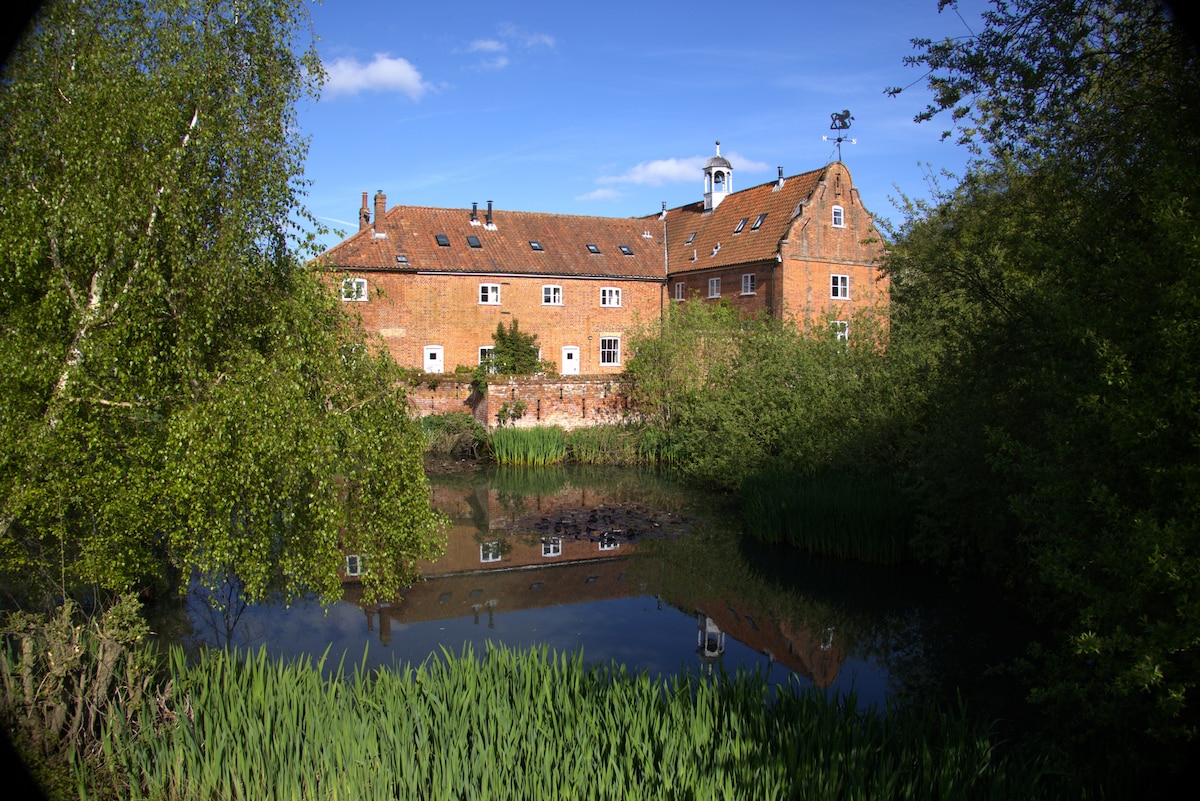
{"x": 832, "y": 513}
{"x": 528, "y": 447}
{"x": 536, "y": 725}
{"x": 604, "y": 444}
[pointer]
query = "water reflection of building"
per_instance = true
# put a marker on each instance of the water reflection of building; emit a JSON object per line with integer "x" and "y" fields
{"x": 492, "y": 566}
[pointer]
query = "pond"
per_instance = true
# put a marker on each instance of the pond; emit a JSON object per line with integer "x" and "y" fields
{"x": 635, "y": 569}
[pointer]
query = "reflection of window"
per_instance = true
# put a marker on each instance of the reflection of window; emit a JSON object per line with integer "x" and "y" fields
{"x": 552, "y": 547}
{"x": 610, "y": 350}
{"x": 489, "y": 552}
{"x": 610, "y": 296}
{"x": 839, "y": 287}
{"x": 353, "y": 564}
{"x": 609, "y": 544}
{"x": 839, "y": 217}
{"x": 551, "y": 295}
{"x": 841, "y": 329}
{"x": 354, "y": 289}
{"x": 748, "y": 284}
{"x": 714, "y": 287}
{"x": 489, "y": 294}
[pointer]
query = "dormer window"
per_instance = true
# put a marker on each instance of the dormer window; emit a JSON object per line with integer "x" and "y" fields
{"x": 442, "y": 240}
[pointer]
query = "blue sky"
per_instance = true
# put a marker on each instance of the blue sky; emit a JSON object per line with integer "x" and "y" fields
{"x": 611, "y": 108}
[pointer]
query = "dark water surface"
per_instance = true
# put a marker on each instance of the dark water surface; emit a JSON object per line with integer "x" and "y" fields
{"x": 633, "y": 569}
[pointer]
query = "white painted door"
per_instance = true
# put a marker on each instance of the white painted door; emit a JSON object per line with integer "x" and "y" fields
{"x": 570, "y": 361}
{"x": 433, "y": 359}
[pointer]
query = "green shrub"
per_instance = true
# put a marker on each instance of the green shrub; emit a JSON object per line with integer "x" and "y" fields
{"x": 452, "y": 433}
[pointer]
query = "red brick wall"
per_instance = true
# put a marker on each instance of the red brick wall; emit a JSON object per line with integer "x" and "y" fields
{"x": 568, "y": 402}
{"x": 411, "y": 311}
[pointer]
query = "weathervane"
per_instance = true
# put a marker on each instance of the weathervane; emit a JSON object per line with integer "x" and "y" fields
{"x": 840, "y": 121}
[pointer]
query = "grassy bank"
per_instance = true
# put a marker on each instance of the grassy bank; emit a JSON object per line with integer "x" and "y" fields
{"x": 536, "y": 725}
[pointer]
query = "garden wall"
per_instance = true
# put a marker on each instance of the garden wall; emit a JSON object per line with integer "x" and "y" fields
{"x": 567, "y": 401}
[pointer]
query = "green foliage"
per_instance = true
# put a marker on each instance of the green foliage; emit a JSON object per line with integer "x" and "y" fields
{"x": 543, "y": 725}
{"x": 514, "y": 352}
{"x": 452, "y": 433}
{"x": 1052, "y": 298}
{"x": 63, "y": 676}
{"x": 528, "y": 447}
{"x": 724, "y": 396}
{"x": 605, "y": 444}
{"x": 832, "y": 513}
{"x": 176, "y": 388}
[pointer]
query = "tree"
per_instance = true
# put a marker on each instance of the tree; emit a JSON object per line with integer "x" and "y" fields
{"x": 514, "y": 352}
{"x": 1054, "y": 294}
{"x": 178, "y": 388}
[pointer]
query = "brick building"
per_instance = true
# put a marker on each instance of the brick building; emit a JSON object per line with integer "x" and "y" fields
{"x": 434, "y": 283}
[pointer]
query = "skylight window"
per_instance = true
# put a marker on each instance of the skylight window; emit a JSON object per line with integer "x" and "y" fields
{"x": 741, "y": 224}
{"x": 593, "y": 248}
{"x": 442, "y": 240}
{"x": 758, "y": 222}
{"x": 690, "y": 238}
{"x": 628, "y": 251}
{"x": 474, "y": 242}
{"x": 536, "y": 245}
{"x": 401, "y": 258}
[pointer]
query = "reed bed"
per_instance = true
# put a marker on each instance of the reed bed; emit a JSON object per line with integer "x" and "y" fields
{"x": 604, "y": 445}
{"x": 528, "y": 447}
{"x": 534, "y": 725}
{"x": 831, "y": 513}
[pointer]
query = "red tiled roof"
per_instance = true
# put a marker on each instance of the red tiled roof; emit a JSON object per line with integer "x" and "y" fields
{"x": 780, "y": 204}
{"x": 412, "y": 231}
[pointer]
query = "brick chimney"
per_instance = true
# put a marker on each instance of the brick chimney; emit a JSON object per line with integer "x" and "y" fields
{"x": 364, "y": 215}
{"x": 380, "y": 208}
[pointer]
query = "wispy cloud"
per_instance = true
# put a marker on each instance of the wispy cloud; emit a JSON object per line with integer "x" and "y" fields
{"x": 672, "y": 171}
{"x": 600, "y": 194}
{"x": 348, "y": 76}
{"x": 524, "y": 38}
{"x": 486, "y": 46}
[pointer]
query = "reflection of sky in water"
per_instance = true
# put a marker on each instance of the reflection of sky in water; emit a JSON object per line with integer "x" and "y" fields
{"x": 634, "y": 631}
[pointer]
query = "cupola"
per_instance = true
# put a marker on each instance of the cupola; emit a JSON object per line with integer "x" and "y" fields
{"x": 718, "y": 179}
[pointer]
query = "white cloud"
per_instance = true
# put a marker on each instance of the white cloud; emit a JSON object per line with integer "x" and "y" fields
{"x": 672, "y": 171}
{"x": 384, "y": 74}
{"x": 600, "y": 194}
{"x": 497, "y": 63}
{"x": 524, "y": 38}
{"x": 486, "y": 46}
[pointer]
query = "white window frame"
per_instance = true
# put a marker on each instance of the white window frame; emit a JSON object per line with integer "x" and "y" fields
{"x": 486, "y": 352}
{"x": 839, "y": 217}
{"x": 552, "y": 295}
{"x": 552, "y": 547}
{"x": 749, "y": 283}
{"x": 610, "y": 297}
{"x": 489, "y": 294}
{"x": 354, "y": 290}
{"x": 489, "y": 552}
{"x": 839, "y": 287}
{"x": 841, "y": 330}
{"x": 610, "y": 354}
{"x": 353, "y": 565}
{"x": 714, "y": 287}
{"x": 433, "y": 350}
{"x": 679, "y": 290}
{"x": 609, "y": 544}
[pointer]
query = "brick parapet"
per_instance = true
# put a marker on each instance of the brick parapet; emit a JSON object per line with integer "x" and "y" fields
{"x": 567, "y": 401}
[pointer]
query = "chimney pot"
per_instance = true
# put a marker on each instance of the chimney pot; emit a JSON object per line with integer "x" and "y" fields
{"x": 489, "y": 213}
{"x": 364, "y": 214}
{"x": 474, "y": 212}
